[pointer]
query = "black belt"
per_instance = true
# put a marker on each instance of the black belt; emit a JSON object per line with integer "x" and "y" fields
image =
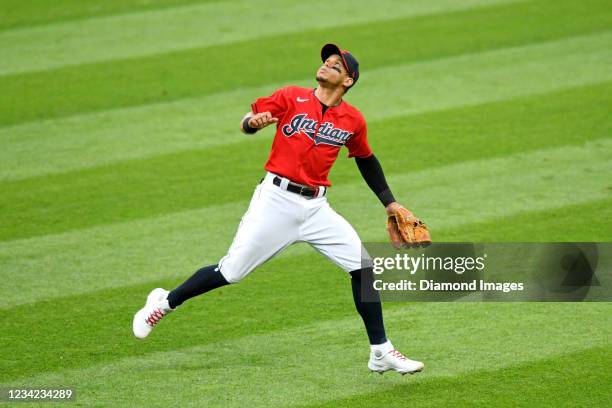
{"x": 299, "y": 189}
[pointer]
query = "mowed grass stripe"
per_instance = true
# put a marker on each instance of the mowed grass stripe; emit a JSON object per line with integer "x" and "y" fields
{"x": 92, "y": 140}
{"x": 218, "y": 175}
{"x": 172, "y": 76}
{"x": 170, "y": 29}
{"x": 464, "y": 193}
{"x": 108, "y": 337}
{"x": 445, "y": 197}
{"x": 550, "y": 225}
{"x": 337, "y": 350}
{"x": 532, "y": 384}
{"x": 17, "y": 13}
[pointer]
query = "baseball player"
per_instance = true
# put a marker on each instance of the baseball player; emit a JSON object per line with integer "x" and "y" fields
{"x": 290, "y": 204}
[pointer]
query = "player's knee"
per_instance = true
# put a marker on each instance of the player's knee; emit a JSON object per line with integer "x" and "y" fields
{"x": 232, "y": 275}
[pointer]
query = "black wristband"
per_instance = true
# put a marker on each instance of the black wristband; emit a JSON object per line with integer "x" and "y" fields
{"x": 246, "y": 127}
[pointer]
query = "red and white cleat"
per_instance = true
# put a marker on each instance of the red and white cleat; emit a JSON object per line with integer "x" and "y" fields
{"x": 154, "y": 310}
{"x": 382, "y": 359}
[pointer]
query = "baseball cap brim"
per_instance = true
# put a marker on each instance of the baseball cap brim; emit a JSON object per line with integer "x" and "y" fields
{"x": 331, "y": 49}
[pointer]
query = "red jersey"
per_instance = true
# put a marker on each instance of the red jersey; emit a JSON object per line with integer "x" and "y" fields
{"x": 307, "y": 141}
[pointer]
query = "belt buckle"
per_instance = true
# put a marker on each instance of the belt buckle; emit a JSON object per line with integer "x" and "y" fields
{"x": 305, "y": 191}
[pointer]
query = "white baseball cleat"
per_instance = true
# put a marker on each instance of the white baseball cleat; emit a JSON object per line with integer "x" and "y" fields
{"x": 381, "y": 361}
{"x": 153, "y": 311}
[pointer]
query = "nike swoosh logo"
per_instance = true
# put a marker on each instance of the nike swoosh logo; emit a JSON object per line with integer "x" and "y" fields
{"x": 301, "y": 100}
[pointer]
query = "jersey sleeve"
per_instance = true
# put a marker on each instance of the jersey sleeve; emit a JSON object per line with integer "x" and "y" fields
{"x": 276, "y": 103}
{"x": 358, "y": 143}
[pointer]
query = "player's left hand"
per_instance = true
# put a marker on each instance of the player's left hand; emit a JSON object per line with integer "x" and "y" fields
{"x": 404, "y": 228}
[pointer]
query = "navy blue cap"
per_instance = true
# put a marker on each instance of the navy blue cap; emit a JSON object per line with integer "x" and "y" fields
{"x": 350, "y": 63}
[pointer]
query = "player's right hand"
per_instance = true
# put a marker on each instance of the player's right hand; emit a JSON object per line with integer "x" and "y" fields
{"x": 261, "y": 120}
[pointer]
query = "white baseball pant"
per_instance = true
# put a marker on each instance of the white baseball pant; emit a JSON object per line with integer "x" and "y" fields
{"x": 277, "y": 218}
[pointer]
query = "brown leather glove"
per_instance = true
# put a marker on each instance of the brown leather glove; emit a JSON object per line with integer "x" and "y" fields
{"x": 405, "y": 230}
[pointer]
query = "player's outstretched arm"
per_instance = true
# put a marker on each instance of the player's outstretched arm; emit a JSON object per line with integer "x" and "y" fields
{"x": 252, "y": 122}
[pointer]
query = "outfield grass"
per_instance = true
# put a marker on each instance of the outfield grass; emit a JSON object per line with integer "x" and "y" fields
{"x": 121, "y": 169}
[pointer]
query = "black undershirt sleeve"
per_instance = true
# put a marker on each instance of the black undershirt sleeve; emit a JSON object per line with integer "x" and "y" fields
{"x": 372, "y": 173}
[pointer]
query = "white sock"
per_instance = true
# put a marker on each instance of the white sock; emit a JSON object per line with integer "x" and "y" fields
{"x": 380, "y": 350}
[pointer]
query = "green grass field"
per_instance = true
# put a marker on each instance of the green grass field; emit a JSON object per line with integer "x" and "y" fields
{"x": 122, "y": 169}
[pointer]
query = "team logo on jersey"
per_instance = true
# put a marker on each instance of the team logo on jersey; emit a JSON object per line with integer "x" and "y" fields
{"x": 327, "y": 133}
